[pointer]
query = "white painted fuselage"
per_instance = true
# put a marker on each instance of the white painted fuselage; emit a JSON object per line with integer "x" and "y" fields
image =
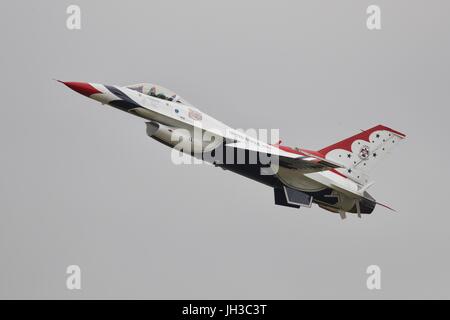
{"x": 338, "y": 190}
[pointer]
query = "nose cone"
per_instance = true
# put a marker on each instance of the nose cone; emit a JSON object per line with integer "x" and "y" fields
{"x": 84, "y": 88}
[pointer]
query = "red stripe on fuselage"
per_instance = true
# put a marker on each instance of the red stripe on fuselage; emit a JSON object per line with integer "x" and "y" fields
{"x": 303, "y": 152}
{"x": 338, "y": 173}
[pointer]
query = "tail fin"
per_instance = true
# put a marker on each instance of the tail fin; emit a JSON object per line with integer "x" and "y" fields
{"x": 362, "y": 151}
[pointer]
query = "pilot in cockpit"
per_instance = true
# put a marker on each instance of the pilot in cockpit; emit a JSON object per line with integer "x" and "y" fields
{"x": 152, "y": 92}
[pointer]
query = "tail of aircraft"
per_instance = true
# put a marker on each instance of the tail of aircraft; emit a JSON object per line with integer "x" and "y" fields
{"x": 361, "y": 152}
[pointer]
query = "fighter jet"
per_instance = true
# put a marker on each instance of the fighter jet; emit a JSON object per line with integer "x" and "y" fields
{"x": 334, "y": 177}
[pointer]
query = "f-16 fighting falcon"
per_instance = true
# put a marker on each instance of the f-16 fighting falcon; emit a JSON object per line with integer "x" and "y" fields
{"x": 334, "y": 177}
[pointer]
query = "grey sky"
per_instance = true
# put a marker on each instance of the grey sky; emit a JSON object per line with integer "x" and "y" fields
{"x": 82, "y": 183}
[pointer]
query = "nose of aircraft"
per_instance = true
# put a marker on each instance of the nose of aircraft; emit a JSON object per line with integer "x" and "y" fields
{"x": 84, "y": 88}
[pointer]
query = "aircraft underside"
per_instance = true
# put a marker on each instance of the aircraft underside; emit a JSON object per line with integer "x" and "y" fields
{"x": 285, "y": 194}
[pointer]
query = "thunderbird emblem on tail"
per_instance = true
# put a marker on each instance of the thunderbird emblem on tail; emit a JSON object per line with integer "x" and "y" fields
{"x": 364, "y": 153}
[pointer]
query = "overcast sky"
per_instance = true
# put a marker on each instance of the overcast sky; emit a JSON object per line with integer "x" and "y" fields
{"x": 82, "y": 184}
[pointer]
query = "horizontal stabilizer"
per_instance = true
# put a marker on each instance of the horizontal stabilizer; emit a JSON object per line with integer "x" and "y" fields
{"x": 385, "y": 206}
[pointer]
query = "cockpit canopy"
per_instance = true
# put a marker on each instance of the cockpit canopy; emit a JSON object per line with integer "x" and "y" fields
{"x": 157, "y": 91}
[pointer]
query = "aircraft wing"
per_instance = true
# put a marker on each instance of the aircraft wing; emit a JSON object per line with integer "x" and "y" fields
{"x": 307, "y": 163}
